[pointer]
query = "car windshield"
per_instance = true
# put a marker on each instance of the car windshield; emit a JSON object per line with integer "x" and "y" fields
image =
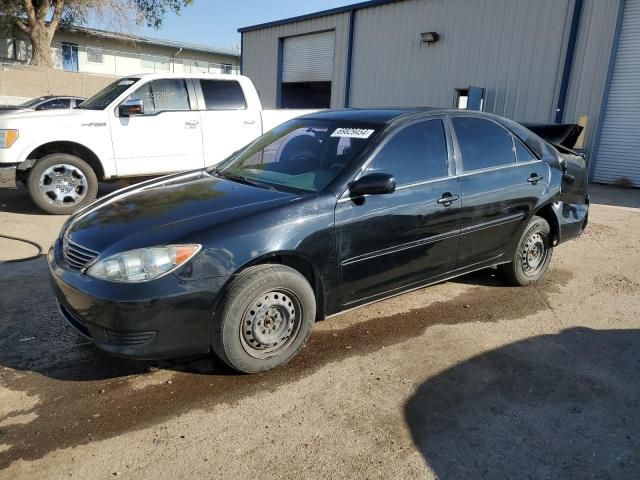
{"x": 300, "y": 155}
{"x": 32, "y": 102}
{"x": 104, "y": 97}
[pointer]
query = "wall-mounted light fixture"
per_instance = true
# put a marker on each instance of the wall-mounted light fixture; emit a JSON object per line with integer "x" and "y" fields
{"x": 429, "y": 37}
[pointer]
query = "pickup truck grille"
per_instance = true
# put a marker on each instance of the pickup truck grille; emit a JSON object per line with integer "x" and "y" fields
{"x": 76, "y": 256}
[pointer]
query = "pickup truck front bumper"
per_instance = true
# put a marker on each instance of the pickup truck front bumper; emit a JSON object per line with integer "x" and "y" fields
{"x": 8, "y": 175}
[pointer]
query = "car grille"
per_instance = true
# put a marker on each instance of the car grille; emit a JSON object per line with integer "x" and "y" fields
{"x": 76, "y": 256}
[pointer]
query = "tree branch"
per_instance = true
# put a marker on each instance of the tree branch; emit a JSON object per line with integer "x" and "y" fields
{"x": 22, "y": 27}
{"x": 31, "y": 12}
{"x": 57, "y": 13}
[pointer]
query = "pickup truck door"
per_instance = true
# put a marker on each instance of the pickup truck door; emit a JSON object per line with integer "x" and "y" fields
{"x": 228, "y": 122}
{"x": 166, "y": 138}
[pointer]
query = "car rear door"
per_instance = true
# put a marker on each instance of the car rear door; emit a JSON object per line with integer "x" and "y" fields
{"x": 166, "y": 138}
{"x": 391, "y": 242}
{"x": 498, "y": 191}
{"x": 228, "y": 123}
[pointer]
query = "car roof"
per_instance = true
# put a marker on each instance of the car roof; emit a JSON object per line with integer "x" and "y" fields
{"x": 388, "y": 115}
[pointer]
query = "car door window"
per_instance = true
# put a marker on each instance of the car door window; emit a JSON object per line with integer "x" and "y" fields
{"x": 415, "y": 154}
{"x": 522, "y": 153}
{"x": 223, "y": 95}
{"x": 483, "y": 143}
{"x": 167, "y": 95}
{"x": 54, "y": 104}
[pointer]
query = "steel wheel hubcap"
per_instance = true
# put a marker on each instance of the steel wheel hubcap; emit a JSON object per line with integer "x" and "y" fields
{"x": 534, "y": 254}
{"x": 270, "y": 323}
{"x": 63, "y": 184}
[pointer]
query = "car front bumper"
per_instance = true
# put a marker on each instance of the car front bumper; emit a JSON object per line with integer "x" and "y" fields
{"x": 8, "y": 175}
{"x": 164, "y": 318}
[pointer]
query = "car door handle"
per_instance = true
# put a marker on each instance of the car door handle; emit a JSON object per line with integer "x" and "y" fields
{"x": 448, "y": 199}
{"x": 191, "y": 124}
{"x": 534, "y": 178}
{"x": 249, "y": 122}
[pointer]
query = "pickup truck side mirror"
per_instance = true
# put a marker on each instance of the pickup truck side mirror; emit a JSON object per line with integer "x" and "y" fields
{"x": 373, "y": 184}
{"x": 131, "y": 108}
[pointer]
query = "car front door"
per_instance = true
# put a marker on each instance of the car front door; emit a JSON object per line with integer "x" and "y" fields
{"x": 393, "y": 241}
{"x": 165, "y": 138}
{"x": 501, "y": 181}
{"x": 227, "y": 123}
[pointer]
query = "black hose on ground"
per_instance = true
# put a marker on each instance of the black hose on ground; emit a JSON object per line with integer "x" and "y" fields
{"x": 23, "y": 240}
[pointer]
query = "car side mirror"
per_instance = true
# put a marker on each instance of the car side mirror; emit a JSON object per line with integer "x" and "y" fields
{"x": 373, "y": 184}
{"x": 131, "y": 108}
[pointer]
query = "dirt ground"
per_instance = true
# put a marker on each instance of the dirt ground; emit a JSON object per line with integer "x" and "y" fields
{"x": 466, "y": 379}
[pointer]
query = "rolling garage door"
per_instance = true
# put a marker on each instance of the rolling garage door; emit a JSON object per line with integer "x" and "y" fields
{"x": 308, "y": 58}
{"x": 619, "y": 151}
{"x": 307, "y": 71}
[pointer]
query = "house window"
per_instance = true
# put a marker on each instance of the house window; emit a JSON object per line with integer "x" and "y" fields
{"x": 226, "y": 68}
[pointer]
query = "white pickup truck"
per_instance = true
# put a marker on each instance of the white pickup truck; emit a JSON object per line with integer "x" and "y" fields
{"x": 139, "y": 125}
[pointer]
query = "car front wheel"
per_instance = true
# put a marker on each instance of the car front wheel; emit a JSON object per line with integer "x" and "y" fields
{"x": 265, "y": 319}
{"x": 62, "y": 183}
{"x": 533, "y": 254}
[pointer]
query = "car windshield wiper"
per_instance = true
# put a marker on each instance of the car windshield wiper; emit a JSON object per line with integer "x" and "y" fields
{"x": 240, "y": 179}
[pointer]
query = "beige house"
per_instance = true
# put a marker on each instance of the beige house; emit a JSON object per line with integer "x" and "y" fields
{"x": 88, "y": 50}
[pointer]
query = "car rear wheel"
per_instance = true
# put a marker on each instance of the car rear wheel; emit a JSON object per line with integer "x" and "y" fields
{"x": 532, "y": 256}
{"x": 265, "y": 319}
{"x": 62, "y": 183}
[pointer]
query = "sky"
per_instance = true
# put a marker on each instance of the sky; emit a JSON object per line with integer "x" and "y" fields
{"x": 216, "y": 22}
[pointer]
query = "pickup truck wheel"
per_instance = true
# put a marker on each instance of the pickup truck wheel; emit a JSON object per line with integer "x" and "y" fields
{"x": 265, "y": 319}
{"x": 532, "y": 256}
{"x": 62, "y": 183}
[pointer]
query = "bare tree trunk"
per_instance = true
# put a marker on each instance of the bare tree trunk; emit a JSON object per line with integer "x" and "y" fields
{"x": 40, "y": 46}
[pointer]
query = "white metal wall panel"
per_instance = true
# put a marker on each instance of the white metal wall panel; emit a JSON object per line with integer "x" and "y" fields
{"x": 619, "y": 151}
{"x": 308, "y": 58}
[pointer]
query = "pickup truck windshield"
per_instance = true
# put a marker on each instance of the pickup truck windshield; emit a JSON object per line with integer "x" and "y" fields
{"x": 104, "y": 97}
{"x": 300, "y": 155}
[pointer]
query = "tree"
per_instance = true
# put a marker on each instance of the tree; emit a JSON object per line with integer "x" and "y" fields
{"x": 39, "y": 19}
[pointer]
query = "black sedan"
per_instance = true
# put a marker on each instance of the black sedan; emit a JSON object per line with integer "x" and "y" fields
{"x": 322, "y": 214}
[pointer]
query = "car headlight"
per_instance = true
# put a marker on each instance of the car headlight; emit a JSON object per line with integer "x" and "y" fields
{"x": 8, "y": 137}
{"x": 144, "y": 264}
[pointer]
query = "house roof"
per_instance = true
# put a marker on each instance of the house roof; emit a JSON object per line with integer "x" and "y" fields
{"x": 147, "y": 40}
{"x": 322, "y": 13}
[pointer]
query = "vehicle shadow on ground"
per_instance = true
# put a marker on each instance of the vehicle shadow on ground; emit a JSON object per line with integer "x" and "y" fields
{"x": 613, "y": 196}
{"x": 556, "y": 406}
{"x": 19, "y": 201}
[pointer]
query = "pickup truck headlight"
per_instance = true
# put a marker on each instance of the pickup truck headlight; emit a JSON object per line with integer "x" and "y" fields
{"x": 7, "y": 137}
{"x": 142, "y": 265}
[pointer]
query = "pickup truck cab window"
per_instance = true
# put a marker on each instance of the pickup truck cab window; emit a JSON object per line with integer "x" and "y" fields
{"x": 166, "y": 95}
{"x": 483, "y": 143}
{"x": 223, "y": 95}
{"x": 415, "y": 154}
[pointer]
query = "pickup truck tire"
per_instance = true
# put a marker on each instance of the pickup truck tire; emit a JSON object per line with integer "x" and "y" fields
{"x": 532, "y": 255}
{"x": 265, "y": 318}
{"x": 61, "y": 183}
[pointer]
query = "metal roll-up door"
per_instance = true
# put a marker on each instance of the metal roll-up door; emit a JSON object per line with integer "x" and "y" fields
{"x": 618, "y": 154}
{"x": 308, "y": 58}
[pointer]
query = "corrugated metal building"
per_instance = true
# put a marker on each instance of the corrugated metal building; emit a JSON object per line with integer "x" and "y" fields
{"x": 537, "y": 61}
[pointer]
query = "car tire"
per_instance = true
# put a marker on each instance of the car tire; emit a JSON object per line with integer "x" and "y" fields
{"x": 532, "y": 255}
{"x": 77, "y": 182}
{"x": 265, "y": 319}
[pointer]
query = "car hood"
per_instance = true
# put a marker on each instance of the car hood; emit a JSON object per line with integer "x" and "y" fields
{"x": 49, "y": 115}
{"x": 168, "y": 210}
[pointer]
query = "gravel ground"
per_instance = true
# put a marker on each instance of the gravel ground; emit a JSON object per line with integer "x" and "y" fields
{"x": 466, "y": 379}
